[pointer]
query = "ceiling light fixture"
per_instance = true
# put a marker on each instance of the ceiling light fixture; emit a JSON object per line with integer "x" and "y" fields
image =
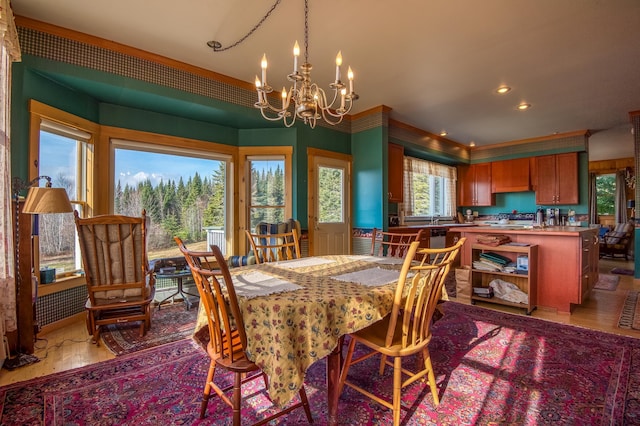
{"x": 503, "y": 89}
{"x": 472, "y": 143}
{"x": 524, "y": 106}
{"x": 443, "y": 133}
{"x": 309, "y": 101}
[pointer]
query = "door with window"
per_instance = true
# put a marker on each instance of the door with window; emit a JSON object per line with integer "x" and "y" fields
{"x": 329, "y": 203}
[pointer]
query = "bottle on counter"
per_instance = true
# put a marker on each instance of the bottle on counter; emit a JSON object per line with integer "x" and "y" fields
{"x": 539, "y": 216}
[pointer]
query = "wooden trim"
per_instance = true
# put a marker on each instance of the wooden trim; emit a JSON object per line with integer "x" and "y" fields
{"x": 584, "y": 133}
{"x": 62, "y": 323}
{"x": 611, "y": 166}
{"x": 61, "y": 284}
{"x": 244, "y": 180}
{"x": 410, "y": 128}
{"x": 44, "y": 27}
{"x": 634, "y": 113}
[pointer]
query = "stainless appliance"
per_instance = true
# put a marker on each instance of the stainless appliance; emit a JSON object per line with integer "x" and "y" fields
{"x": 437, "y": 238}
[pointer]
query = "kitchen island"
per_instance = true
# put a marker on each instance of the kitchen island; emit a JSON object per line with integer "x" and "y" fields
{"x": 567, "y": 260}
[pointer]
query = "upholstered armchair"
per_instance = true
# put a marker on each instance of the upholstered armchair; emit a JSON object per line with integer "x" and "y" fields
{"x": 619, "y": 241}
{"x": 265, "y": 228}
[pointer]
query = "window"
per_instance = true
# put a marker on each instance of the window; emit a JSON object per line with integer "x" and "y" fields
{"x": 184, "y": 194}
{"x": 330, "y": 194}
{"x": 63, "y": 156}
{"x": 267, "y": 200}
{"x": 606, "y": 194}
{"x": 429, "y": 188}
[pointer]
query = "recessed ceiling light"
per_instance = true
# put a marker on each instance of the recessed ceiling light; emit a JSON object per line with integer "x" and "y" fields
{"x": 443, "y": 133}
{"x": 503, "y": 89}
{"x": 523, "y": 106}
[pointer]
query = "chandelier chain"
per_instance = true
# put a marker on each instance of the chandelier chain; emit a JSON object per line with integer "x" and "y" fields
{"x": 306, "y": 31}
{"x": 217, "y": 47}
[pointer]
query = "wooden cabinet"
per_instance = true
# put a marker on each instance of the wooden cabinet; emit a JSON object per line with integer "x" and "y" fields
{"x": 510, "y": 175}
{"x": 396, "y": 172}
{"x": 527, "y": 283}
{"x": 590, "y": 255}
{"x": 474, "y": 187}
{"x": 557, "y": 179}
{"x": 567, "y": 261}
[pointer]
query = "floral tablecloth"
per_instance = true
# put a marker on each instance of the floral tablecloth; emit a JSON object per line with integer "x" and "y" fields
{"x": 289, "y": 331}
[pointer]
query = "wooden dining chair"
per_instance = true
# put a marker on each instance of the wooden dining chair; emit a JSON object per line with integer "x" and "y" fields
{"x": 274, "y": 247}
{"x": 406, "y": 330}
{"x": 120, "y": 283}
{"x": 227, "y": 338}
{"x": 392, "y": 244}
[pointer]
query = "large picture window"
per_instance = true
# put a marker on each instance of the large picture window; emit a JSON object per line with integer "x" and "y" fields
{"x": 183, "y": 195}
{"x": 429, "y": 189}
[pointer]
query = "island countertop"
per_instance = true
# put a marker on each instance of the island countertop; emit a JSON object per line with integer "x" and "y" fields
{"x": 518, "y": 229}
{"x": 567, "y": 257}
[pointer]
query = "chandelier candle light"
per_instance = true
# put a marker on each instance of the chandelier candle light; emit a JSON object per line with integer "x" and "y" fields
{"x": 310, "y": 101}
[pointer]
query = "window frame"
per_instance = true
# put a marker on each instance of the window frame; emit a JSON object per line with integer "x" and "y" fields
{"x": 245, "y": 155}
{"x": 451, "y": 191}
{"x": 42, "y": 115}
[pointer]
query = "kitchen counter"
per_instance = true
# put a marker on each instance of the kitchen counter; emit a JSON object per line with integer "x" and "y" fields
{"x": 567, "y": 258}
{"x": 406, "y": 227}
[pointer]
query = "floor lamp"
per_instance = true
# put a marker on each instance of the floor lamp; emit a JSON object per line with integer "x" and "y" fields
{"x": 39, "y": 200}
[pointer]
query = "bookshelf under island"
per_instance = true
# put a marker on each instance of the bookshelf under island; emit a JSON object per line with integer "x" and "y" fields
{"x": 514, "y": 264}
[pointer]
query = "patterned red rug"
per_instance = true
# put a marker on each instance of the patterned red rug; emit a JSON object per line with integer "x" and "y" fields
{"x": 172, "y": 322}
{"x": 491, "y": 368}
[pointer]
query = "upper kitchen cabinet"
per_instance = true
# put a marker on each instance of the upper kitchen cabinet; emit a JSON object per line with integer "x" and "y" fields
{"x": 396, "y": 172}
{"x": 475, "y": 185}
{"x": 557, "y": 179}
{"x": 510, "y": 175}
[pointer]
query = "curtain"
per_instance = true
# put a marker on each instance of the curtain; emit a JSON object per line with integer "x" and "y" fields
{"x": 621, "y": 198}
{"x": 9, "y": 52}
{"x": 593, "y": 199}
{"x": 416, "y": 166}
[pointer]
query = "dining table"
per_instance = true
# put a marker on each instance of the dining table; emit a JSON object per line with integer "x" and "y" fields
{"x": 297, "y": 312}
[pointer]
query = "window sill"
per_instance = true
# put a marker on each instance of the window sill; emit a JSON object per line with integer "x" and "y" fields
{"x": 61, "y": 284}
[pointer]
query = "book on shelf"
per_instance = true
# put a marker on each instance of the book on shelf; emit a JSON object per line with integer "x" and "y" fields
{"x": 495, "y": 257}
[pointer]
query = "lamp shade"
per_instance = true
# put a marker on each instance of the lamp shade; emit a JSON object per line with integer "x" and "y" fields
{"x": 47, "y": 200}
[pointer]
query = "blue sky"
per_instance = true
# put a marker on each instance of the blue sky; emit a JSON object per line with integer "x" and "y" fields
{"x": 133, "y": 167}
{"x": 58, "y": 156}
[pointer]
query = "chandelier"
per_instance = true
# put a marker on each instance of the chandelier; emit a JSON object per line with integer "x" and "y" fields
{"x": 310, "y": 102}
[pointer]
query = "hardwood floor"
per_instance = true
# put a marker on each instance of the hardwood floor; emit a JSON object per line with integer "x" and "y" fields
{"x": 70, "y": 347}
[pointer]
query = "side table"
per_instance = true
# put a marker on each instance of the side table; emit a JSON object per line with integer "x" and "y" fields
{"x": 178, "y": 276}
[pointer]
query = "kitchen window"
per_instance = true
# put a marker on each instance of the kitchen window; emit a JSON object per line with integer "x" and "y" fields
{"x": 429, "y": 189}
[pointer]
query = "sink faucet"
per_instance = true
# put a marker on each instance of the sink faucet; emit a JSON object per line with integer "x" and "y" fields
{"x": 435, "y": 219}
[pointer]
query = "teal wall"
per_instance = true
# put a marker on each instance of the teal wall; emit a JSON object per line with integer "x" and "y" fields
{"x": 370, "y": 171}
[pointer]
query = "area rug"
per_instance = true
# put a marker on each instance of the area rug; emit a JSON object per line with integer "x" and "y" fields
{"x": 491, "y": 368}
{"x": 622, "y": 271}
{"x": 607, "y": 282}
{"x": 630, "y": 314}
{"x": 170, "y": 323}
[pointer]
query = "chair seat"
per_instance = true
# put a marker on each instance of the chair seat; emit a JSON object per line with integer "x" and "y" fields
{"x": 374, "y": 337}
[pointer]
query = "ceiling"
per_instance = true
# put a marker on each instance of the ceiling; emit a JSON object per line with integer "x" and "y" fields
{"x": 435, "y": 63}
